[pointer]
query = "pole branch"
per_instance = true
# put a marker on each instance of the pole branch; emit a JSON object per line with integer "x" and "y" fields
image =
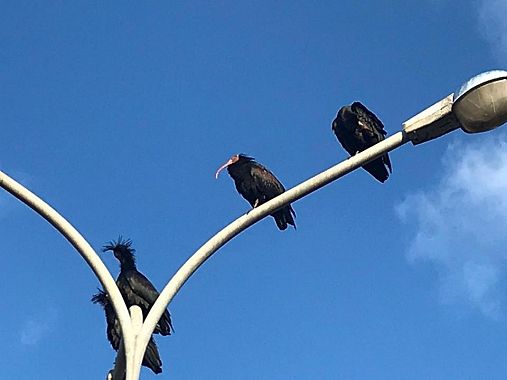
{"x": 82, "y": 246}
{"x": 245, "y": 221}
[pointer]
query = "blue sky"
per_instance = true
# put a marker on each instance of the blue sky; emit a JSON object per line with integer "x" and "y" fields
{"x": 119, "y": 116}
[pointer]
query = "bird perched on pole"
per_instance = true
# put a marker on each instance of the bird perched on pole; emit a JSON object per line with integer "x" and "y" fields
{"x": 135, "y": 288}
{"x": 357, "y": 129}
{"x": 151, "y": 357}
{"x": 258, "y": 185}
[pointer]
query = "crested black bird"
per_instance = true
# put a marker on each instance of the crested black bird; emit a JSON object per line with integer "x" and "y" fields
{"x": 135, "y": 288}
{"x": 258, "y": 185}
{"x": 357, "y": 129}
{"x": 151, "y": 357}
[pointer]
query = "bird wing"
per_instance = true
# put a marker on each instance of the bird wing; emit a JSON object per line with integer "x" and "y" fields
{"x": 371, "y": 126}
{"x": 145, "y": 290}
{"x": 113, "y": 325}
{"x": 266, "y": 182}
{"x": 142, "y": 287}
{"x": 345, "y": 138}
{"x": 368, "y": 119}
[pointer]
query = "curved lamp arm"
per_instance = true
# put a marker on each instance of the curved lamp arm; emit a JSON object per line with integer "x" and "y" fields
{"x": 439, "y": 119}
{"x": 135, "y": 346}
{"x": 82, "y": 246}
{"x": 245, "y": 221}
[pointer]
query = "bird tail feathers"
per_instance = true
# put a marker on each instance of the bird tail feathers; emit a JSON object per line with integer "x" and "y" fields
{"x": 151, "y": 357}
{"x": 378, "y": 169}
{"x": 284, "y": 217}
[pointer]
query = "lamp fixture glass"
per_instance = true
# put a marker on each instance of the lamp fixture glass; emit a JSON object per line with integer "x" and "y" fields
{"x": 481, "y": 103}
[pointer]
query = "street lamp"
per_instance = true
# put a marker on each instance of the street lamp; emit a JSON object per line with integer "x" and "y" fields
{"x": 479, "y": 105}
{"x": 431, "y": 123}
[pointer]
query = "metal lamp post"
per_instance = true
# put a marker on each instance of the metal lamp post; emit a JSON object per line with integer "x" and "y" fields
{"x": 479, "y": 105}
{"x": 429, "y": 124}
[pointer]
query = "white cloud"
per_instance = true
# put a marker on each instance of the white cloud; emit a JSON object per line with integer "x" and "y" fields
{"x": 493, "y": 25}
{"x": 461, "y": 225}
{"x": 36, "y": 328}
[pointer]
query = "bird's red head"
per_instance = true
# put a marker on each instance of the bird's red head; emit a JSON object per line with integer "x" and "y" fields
{"x": 231, "y": 161}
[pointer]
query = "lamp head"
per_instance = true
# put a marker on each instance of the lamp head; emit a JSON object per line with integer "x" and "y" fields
{"x": 481, "y": 103}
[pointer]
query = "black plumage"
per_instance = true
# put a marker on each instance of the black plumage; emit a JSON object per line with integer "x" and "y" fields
{"x": 258, "y": 185}
{"x": 151, "y": 357}
{"x": 357, "y": 129}
{"x": 135, "y": 288}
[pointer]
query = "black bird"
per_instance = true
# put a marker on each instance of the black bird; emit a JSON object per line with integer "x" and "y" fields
{"x": 357, "y": 129}
{"x": 151, "y": 357}
{"x": 258, "y": 185}
{"x": 135, "y": 288}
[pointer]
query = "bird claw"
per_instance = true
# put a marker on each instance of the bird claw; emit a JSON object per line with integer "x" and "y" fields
{"x": 254, "y": 206}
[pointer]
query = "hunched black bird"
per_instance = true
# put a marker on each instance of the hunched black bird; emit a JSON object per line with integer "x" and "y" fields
{"x": 135, "y": 288}
{"x": 357, "y": 129}
{"x": 151, "y": 357}
{"x": 258, "y": 185}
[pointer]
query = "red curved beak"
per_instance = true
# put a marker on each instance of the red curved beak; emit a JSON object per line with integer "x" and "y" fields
{"x": 223, "y": 167}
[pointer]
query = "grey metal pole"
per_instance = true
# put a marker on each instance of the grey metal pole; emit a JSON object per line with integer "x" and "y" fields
{"x": 242, "y": 223}
{"x": 429, "y": 124}
{"x": 120, "y": 364}
{"x": 83, "y": 247}
{"x": 135, "y": 344}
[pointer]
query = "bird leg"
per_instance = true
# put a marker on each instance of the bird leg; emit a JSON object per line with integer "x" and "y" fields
{"x": 257, "y": 202}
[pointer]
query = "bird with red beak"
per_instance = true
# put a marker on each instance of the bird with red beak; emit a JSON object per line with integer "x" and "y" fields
{"x": 258, "y": 185}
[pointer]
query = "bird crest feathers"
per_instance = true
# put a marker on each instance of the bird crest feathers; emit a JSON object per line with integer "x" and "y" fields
{"x": 100, "y": 297}
{"x": 120, "y": 244}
